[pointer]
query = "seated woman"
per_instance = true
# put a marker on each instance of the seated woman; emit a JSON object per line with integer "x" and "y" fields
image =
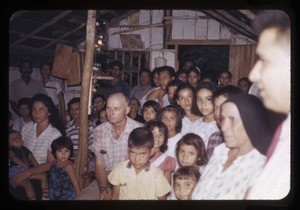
{"x": 236, "y": 164}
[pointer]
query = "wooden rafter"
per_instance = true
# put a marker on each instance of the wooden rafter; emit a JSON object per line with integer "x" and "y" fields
{"x": 63, "y": 36}
{"x": 51, "y": 22}
{"x": 229, "y": 22}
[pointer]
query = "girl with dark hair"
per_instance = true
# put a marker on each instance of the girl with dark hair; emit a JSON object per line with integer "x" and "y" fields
{"x": 158, "y": 157}
{"x": 45, "y": 127}
{"x": 63, "y": 183}
{"x": 184, "y": 97}
{"x": 151, "y": 110}
{"x": 171, "y": 117}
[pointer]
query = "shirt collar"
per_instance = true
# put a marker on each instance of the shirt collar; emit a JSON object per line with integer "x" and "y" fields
{"x": 147, "y": 168}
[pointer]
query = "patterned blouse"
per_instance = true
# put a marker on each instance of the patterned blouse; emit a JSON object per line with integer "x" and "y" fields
{"x": 231, "y": 184}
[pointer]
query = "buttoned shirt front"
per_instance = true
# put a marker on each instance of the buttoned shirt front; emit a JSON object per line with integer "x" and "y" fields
{"x": 149, "y": 184}
{"x": 112, "y": 151}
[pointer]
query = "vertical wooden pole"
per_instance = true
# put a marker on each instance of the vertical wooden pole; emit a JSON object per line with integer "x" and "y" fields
{"x": 167, "y": 27}
{"x": 82, "y": 156}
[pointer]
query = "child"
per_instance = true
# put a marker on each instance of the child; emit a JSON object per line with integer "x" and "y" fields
{"x": 134, "y": 105}
{"x": 158, "y": 158}
{"x": 171, "y": 117}
{"x": 194, "y": 76}
{"x": 24, "y": 110}
{"x": 190, "y": 150}
{"x": 151, "y": 110}
{"x": 185, "y": 179}
{"x": 21, "y": 159}
{"x": 136, "y": 179}
{"x": 63, "y": 182}
{"x": 102, "y": 116}
{"x": 207, "y": 124}
{"x": 184, "y": 96}
{"x": 171, "y": 89}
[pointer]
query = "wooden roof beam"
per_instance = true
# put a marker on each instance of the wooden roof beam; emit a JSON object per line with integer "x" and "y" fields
{"x": 63, "y": 36}
{"x": 230, "y": 24}
{"x": 51, "y": 22}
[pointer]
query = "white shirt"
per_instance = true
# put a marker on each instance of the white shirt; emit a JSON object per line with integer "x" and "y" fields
{"x": 40, "y": 145}
{"x": 216, "y": 184}
{"x": 18, "y": 124}
{"x": 189, "y": 126}
{"x": 274, "y": 182}
{"x": 205, "y": 130}
{"x": 172, "y": 143}
{"x": 53, "y": 88}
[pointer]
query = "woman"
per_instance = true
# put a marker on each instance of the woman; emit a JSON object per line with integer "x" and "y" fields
{"x": 235, "y": 164}
{"x": 46, "y": 126}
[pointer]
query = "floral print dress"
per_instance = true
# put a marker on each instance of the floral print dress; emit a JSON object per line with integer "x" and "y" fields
{"x": 60, "y": 187}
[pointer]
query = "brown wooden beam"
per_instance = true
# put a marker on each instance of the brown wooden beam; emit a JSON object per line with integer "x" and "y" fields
{"x": 63, "y": 36}
{"x": 82, "y": 156}
{"x": 51, "y": 22}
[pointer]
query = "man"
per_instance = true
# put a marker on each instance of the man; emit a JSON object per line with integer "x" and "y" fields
{"x": 25, "y": 86}
{"x": 108, "y": 87}
{"x": 72, "y": 131}
{"x": 144, "y": 85}
{"x": 53, "y": 89}
{"x": 110, "y": 145}
{"x": 271, "y": 75}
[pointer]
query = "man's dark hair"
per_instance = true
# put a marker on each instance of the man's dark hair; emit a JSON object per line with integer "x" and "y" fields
{"x": 116, "y": 63}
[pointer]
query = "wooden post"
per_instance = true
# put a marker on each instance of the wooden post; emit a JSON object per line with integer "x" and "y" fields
{"x": 167, "y": 27}
{"x": 82, "y": 156}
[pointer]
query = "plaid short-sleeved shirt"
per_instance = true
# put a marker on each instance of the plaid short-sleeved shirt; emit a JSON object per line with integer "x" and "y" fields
{"x": 110, "y": 150}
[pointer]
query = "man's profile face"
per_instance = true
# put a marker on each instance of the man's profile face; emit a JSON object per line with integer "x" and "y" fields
{"x": 271, "y": 73}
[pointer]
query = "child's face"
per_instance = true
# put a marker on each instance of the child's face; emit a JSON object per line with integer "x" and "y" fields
{"x": 164, "y": 78}
{"x": 185, "y": 99}
{"x": 63, "y": 154}
{"x": 204, "y": 102}
{"x": 139, "y": 157}
{"x": 15, "y": 140}
{"x": 184, "y": 187}
{"x": 158, "y": 137}
{"x": 171, "y": 92}
{"x": 24, "y": 110}
{"x": 187, "y": 155}
{"x": 149, "y": 114}
{"x": 99, "y": 103}
{"x": 103, "y": 116}
{"x": 183, "y": 77}
{"x": 170, "y": 120}
{"x": 224, "y": 79}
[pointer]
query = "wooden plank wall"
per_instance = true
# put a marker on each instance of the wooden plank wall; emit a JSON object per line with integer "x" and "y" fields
{"x": 241, "y": 60}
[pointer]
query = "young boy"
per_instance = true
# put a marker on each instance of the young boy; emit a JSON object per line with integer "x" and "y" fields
{"x": 24, "y": 110}
{"x": 136, "y": 179}
{"x": 184, "y": 181}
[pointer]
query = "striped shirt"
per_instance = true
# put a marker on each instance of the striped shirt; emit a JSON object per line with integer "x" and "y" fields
{"x": 73, "y": 133}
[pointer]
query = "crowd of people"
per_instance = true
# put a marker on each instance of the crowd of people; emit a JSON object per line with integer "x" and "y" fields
{"x": 177, "y": 135}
